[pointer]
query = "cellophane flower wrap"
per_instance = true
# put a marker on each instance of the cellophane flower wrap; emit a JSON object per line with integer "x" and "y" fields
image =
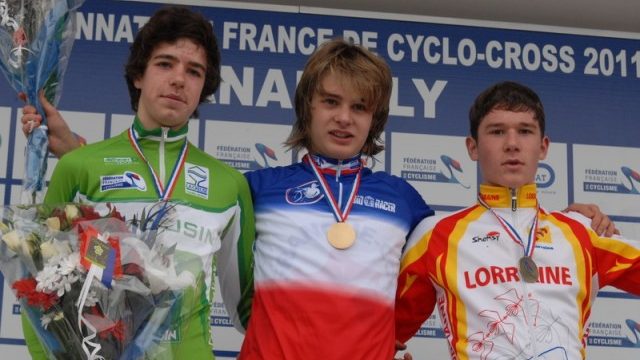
{"x": 36, "y": 37}
{"x": 93, "y": 284}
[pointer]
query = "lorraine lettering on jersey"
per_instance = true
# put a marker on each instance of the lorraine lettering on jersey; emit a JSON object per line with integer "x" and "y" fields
{"x": 196, "y": 180}
{"x": 305, "y": 194}
{"x": 128, "y": 180}
{"x": 491, "y": 275}
{"x": 370, "y": 201}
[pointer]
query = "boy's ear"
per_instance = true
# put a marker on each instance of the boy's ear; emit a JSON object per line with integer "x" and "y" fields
{"x": 472, "y": 148}
{"x": 544, "y": 147}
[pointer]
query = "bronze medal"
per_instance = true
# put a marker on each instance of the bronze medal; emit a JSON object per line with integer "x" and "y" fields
{"x": 341, "y": 235}
{"x": 528, "y": 269}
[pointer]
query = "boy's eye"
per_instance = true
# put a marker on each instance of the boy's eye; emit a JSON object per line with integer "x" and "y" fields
{"x": 195, "y": 72}
{"x": 360, "y": 107}
{"x": 330, "y": 101}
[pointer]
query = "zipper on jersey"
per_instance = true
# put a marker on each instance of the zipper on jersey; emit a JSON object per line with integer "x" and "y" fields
{"x": 338, "y": 173}
{"x": 525, "y": 293}
{"x": 161, "y": 166}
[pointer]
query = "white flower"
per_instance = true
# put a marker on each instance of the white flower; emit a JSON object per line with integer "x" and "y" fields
{"x": 12, "y": 239}
{"x": 71, "y": 211}
{"x": 58, "y": 275}
{"x": 53, "y": 223}
{"x": 46, "y": 319}
{"x": 47, "y": 279}
{"x": 69, "y": 263}
{"x": 48, "y": 250}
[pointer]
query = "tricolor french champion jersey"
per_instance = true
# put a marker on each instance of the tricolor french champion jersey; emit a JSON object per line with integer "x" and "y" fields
{"x": 313, "y": 301}
{"x": 211, "y": 212}
{"x": 466, "y": 265}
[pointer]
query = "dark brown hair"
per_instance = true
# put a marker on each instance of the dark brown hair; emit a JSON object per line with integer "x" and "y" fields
{"x": 168, "y": 25}
{"x": 507, "y": 95}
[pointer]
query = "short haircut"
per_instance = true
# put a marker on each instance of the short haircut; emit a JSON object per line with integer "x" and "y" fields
{"x": 507, "y": 95}
{"x": 168, "y": 25}
{"x": 365, "y": 71}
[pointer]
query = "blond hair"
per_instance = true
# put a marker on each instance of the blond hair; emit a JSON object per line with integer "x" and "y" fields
{"x": 367, "y": 74}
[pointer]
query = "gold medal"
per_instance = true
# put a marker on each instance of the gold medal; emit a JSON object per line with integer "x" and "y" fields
{"x": 528, "y": 269}
{"x": 341, "y": 235}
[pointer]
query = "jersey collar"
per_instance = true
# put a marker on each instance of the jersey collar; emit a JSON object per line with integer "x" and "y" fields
{"x": 156, "y": 134}
{"x": 327, "y": 165}
{"x": 500, "y": 197}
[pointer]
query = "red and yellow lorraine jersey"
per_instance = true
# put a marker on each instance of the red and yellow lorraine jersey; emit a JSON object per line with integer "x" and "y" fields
{"x": 466, "y": 265}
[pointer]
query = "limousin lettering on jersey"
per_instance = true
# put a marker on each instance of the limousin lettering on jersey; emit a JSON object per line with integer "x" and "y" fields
{"x": 193, "y": 231}
{"x": 491, "y": 275}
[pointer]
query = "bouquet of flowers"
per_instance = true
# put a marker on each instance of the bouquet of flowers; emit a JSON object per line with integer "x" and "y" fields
{"x": 36, "y": 37}
{"x": 92, "y": 284}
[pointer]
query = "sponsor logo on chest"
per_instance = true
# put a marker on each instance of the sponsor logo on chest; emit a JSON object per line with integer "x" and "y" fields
{"x": 196, "y": 180}
{"x": 371, "y": 202}
{"x": 118, "y": 161}
{"x": 305, "y": 194}
{"x": 128, "y": 180}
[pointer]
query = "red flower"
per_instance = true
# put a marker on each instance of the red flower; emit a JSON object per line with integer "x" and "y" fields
{"x": 26, "y": 288}
{"x": 118, "y": 331}
{"x": 88, "y": 213}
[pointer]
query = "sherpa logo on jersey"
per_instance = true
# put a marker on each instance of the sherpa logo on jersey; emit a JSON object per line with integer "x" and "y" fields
{"x": 196, "y": 180}
{"x": 305, "y": 194}
{"x": 128, "y": 180}
{"x": 491, "y": 235}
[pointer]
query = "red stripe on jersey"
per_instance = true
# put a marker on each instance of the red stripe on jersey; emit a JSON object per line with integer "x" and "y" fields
{"x": 302, "y": 322}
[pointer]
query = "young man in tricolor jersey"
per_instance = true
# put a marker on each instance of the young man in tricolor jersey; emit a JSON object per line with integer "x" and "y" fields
{"x": 510, "y": 279}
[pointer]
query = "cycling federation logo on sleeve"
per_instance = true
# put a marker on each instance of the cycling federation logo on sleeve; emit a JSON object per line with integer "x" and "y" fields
{"x": 128, "y": 180}
{"x": 196, "y": 180}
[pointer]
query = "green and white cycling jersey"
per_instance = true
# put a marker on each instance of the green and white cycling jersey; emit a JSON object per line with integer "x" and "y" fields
{"x": 211, "y": 213}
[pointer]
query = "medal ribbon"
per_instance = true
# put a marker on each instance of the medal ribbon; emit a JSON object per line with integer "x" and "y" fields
{"x": 163, "y": 193}
{"x": 513, "y": 233}
{"x": 340, "y": 214}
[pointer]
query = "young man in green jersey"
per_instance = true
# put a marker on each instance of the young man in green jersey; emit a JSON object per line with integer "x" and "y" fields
{"x": 173, "y": 66}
